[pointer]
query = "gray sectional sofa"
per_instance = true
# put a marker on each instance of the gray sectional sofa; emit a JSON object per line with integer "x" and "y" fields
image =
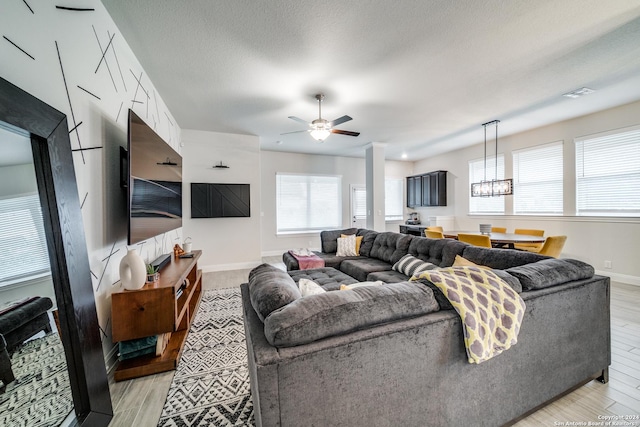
{"x": 394, "y": 354}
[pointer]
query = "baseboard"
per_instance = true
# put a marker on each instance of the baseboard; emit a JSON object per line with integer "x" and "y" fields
{"x": 111, "y": 360}
{"x": 622, "y": 278}
{"x": 272, "y": 253}
{"x": 225, "y": 267}
{"x": 280, "y": 252}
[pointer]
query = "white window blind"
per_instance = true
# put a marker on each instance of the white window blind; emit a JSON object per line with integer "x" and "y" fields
{"x": 360, "y": 203}
{"x": 608, "y": 174}
{"x": 393, "y": 199}
{"x": 537, "y": 180}
{"x": 307, "y": 203}
{"x": 486, "y": 205}
{"x": 22, "y": 240}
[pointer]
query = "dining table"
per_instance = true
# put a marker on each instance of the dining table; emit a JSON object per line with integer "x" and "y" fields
{"x": 500, "y": 239}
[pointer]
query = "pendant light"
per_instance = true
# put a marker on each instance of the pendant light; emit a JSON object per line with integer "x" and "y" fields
{"x": 495, "y": 187}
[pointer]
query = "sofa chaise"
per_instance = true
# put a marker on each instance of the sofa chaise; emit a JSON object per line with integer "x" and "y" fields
{"x": 394, "y": 354}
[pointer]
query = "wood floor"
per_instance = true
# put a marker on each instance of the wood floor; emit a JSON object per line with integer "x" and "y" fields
{"x": 139, "y": 402}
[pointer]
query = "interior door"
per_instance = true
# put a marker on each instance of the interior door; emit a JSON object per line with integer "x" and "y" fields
{"x": 358, "y": 206}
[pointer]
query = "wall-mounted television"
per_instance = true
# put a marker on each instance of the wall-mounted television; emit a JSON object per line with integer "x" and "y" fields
{"x": 220, "y": 200}
{"x": 155, "y": 183}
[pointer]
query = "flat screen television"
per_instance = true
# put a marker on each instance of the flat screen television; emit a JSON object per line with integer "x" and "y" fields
{"x": 155, "y": 183}
{"x": 220, "y": 200}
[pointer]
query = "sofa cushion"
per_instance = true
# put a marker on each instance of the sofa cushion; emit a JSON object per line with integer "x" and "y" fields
{"x": 368, "y": 237}
{"x": 551, "y": 272}
{"x": 410, "y": 265}
{"x": 502, "y": 258}
{"x": 387, "y": 276}
{"x": 334, "y": 313}
{"x": 360, "y": 268}
{"x": 329, "y": 278}
{"x": 390, "y": 246}
{"x": 329, "y": 239}
{"x": 440, "y": 252}
{"x": 271, "y": 288}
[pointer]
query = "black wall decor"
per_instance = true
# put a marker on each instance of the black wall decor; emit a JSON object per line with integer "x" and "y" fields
{"x": 220, "y": 200}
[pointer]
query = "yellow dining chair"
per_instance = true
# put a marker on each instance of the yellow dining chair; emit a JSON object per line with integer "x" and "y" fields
{"x": 498, "y": 229}
{"x": 434, "y": 234}
{"x": 475, "y": 239}
{"x": 531, "y": 247}
{"x": 434, "y": 228}
{"x": 552, "y": 246}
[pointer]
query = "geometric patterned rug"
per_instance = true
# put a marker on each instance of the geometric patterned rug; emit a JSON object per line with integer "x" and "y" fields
{"x": 211, "y": 384}
{"x": 41, "y": 394}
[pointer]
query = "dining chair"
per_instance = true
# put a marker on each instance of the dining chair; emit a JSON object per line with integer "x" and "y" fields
{"x": 475, "y": 239}
{"x": 434, "y": 228}
{"x": 552, "y": 246}
{"x": 434, "y": 234}
{"x": 498, "y": 229}
{"x": 531, "y": 247}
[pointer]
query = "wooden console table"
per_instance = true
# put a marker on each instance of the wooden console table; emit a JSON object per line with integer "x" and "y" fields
{"x": 154, "y": 309}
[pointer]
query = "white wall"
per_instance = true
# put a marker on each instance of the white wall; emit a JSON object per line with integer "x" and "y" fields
{"x": 352, "y": 171}
{"x": 590, "y": 239}
{"x": 226, "y": 243}
{"x": 74, "y": 42}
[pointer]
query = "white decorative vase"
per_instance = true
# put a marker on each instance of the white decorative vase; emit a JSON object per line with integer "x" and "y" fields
{"x": 133, "y": 271}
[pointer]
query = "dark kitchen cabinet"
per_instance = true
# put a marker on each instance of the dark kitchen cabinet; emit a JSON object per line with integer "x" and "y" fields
{"x": 429, "y": 189}
{"x": 414, "y": 191}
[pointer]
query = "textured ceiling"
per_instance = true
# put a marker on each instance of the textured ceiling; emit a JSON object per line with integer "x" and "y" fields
{"x": 420, "y": 76}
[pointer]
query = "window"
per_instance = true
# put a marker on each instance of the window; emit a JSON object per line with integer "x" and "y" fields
{"x": 537, "y": 180}
{"x": 608, "y": 174}
{"x": 22, "y": 240}
{"x": 486, "y": 205}
{"x": 393, "y": 199}
{"x": 308, "y": 203}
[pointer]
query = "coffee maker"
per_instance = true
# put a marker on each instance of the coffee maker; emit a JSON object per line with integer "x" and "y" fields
{"x": 414, "y": 219}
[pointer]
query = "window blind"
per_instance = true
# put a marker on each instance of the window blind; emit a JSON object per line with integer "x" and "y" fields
{"x": 307, "y": 203}
{"x": 486, "y": 205}
{"x": 360, "y": 203}
{"x": 538, "y": 180}
{"x": 22, "y": 240}
{"x": 608, "y": 174}
{"x": 393, "y": 199}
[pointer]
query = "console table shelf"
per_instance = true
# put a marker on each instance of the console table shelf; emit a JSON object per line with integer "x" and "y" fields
{"x": 154, "y": 310}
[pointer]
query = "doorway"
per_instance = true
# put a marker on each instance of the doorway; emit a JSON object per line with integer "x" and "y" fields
{"x": 358, "y": 206}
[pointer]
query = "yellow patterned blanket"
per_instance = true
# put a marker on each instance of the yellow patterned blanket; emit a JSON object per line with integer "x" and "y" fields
{"x": 491, "y": 311}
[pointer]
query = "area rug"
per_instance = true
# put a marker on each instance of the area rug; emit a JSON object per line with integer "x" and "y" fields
{"x": 211, "y": 383}
{"x": 40, "y": 395}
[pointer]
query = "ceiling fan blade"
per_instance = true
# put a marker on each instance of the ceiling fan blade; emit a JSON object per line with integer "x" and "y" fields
{"x": 295, "y": 131}
{"x": 345, "y": 132}
{"x": 340, "y": 120}
{"x": 298, "y": 119}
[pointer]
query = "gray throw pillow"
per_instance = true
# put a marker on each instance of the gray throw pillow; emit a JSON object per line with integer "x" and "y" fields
{"x": 271, "y": 288}
{"x": 412, "y": 266}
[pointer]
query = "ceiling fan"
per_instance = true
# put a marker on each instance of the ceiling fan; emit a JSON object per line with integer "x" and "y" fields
{"x": 320, "y": 128}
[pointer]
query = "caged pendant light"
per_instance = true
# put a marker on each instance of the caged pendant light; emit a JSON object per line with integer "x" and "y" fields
{"x": 495, "y": 187}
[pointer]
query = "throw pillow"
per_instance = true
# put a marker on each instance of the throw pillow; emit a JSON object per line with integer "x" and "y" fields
{"x": 361, "y": 284}
{"x": 347, "y": 246}
{"x": 309, "y": 287}
{"x": 463, "y": 262}
{"x": 412, "y": 266}
{"x": 358, "y": 242}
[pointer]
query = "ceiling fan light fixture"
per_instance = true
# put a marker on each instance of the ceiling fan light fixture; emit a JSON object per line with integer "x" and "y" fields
{"x": 320, "y": 134}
